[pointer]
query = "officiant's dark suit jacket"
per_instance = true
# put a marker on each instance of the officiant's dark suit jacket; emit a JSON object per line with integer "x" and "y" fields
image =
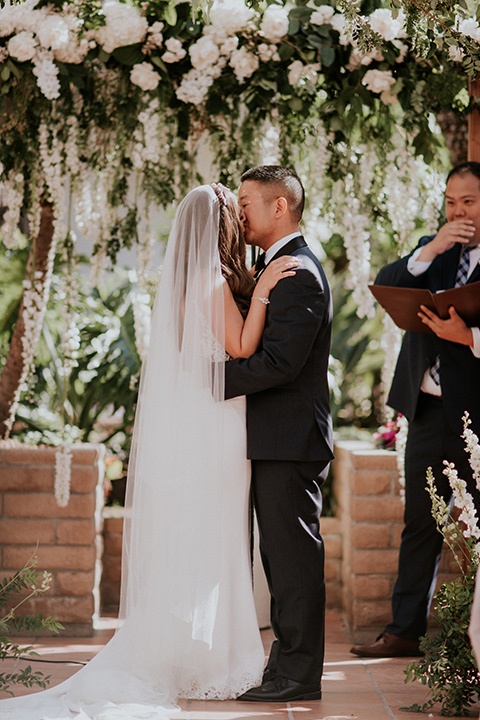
{"x": 459, "y": 368}
{"x": 288, "y": 413}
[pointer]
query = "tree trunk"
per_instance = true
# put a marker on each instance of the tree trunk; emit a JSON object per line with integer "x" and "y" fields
{"x": 13, "y": 369}
{"x": 455, "y": 132}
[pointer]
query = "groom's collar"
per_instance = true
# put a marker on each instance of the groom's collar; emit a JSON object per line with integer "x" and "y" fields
{"x": 280, "y": 244}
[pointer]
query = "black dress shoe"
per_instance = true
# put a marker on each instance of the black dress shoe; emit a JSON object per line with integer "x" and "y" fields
{"x": 281, "y": 689}
{"x": 268, "y": 674}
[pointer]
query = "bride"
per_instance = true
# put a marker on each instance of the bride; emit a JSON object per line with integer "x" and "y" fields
{"x": 189, "y": 625}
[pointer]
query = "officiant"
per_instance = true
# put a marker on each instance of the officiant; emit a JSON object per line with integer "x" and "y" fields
{"x": 437, "y": 379}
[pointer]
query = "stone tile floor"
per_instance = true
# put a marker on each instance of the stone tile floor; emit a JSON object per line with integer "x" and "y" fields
{"x": 353, "y": 689}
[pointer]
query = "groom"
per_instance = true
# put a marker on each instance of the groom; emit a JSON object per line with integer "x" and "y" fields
{"x": 289, "y": 434}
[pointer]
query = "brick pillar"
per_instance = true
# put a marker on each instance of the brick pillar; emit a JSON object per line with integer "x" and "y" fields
{"x": 112, "y": 560}
{"x": 69, "y": 538}
{"x": 370, "y": 511}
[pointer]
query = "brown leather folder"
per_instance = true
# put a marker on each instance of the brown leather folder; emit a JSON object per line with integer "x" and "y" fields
{"x": 403, "y": 304}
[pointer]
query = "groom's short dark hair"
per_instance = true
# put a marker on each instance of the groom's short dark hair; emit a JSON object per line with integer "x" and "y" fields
{"x": 283, "y": 181}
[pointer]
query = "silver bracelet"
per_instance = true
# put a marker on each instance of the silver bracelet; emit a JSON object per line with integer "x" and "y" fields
{"x": 265, "y": 301}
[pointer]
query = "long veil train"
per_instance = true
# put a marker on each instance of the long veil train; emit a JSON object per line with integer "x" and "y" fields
{"x": 189, "y": 625}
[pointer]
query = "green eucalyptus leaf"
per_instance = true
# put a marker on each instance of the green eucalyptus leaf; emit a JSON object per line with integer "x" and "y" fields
{"x": 170, "y": 15}
{"x": 128, "y": 55}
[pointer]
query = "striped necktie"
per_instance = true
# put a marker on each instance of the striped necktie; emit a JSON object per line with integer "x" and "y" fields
{"x": 460, "y": 279}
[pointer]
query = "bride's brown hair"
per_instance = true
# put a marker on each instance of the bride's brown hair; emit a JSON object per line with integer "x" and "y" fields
{"x": 233, "y": 249}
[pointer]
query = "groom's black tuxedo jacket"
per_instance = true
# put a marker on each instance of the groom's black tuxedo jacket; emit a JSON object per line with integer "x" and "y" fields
{"x": 288, "y": 412}
{"x": 459, "y": 368}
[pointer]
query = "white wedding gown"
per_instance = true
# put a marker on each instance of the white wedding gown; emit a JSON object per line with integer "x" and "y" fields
{"x": 137, "y": 662}
{"x": 190, "y": 628}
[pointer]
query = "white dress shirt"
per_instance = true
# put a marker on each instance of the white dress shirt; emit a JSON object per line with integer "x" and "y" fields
{"x": 273, "y": 249}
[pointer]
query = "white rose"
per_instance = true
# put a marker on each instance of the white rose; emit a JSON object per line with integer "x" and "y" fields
{"x": 23, "y": 46}
{"x": 338, "y": 23}
{"x": 53, "y": 32}
{"x": 378, "y": 81}
{"x": 298, "y": 71}
{"x": 295, "y": 71}
{"x": 244, "y": 63}
{"x": 357, "y": 59}
{"x": 470, "y": 27}
{"x": 382, "y": 22}
{"x": 204, "y": 53}
{"x": 175, "y": 51}
{"x": 403, "y": 48}
{"x": 387, "y": 97}
{"x": 322, "y": 15}
{"x": 124, "y": 26}
{"x": 455, "y": 53}
{"x": 143, "y": 75}
{"x": 229, "y": 17}
{"x": 274, "y": 25}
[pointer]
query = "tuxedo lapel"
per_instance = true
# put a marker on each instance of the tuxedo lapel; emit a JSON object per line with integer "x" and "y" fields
{"x": 475, "y": 276}
{"x": 293, "y": 244}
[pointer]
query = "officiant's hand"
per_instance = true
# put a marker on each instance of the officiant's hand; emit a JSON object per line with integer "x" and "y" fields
{"x": 275, "y": 270}
{"x": 461, "y": 231}
{"x": 452, "y": 328}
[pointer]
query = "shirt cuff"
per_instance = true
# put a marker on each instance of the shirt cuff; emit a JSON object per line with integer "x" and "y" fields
{"x": 417, "y": 267}
{"x": 476, "y": 341}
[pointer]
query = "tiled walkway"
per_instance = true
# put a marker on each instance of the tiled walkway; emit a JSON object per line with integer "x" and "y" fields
{"x": 353, "y": 689}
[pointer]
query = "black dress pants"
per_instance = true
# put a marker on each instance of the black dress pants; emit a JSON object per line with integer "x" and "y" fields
{"x": 430, "y": 441}
{"x": 288, "y": 504}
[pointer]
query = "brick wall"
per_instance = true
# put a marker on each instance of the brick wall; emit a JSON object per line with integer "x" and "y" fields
{"x": 112, "y": 562}
{"x": 69, "y": 538}
{"x": 370, "y": 511}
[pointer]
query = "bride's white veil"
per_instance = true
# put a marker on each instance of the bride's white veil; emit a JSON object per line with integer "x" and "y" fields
{"x": 174, "y": 488}
{"x": 174, "y": 508}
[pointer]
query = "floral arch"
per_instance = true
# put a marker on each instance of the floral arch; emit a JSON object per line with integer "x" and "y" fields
{"x": 104, "y": 105}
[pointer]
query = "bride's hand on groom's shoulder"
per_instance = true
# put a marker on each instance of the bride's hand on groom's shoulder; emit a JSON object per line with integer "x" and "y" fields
{"x": 282, "y": 267}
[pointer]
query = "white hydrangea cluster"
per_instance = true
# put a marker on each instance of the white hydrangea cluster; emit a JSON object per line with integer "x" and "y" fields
{"x": 194, "y": 87}
{"x": 143, "y": 75}
{"x": 124, "y": 25}
{"x": 244, "y": 63}
{"x": 229, "y": 17}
